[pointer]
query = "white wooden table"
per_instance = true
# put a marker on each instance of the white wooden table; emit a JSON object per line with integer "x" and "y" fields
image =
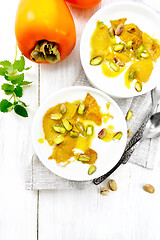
{"x": 128, "y": 214}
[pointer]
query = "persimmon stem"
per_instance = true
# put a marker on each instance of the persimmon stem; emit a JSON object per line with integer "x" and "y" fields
{"x": 45, "y": 51}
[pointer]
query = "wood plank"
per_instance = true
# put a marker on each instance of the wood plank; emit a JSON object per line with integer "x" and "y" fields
{"x": 63, "y": 74}
{"x": 129, "y": 213}
{"x": 18, "y": 207}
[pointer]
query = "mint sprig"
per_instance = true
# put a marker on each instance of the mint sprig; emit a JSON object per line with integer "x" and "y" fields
{"x": 14, "y": 76}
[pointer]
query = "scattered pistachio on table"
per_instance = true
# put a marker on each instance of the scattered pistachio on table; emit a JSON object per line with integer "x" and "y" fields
{"x": 149, "y": 188}
{"x": 112, "y": 185}
{"x": 104, "y": 191}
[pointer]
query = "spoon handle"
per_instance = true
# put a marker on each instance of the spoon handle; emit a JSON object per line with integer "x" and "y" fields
{"x": 139, "y": 134}
{"x": 127, "y": 152}
{"x": 125, "y": 157}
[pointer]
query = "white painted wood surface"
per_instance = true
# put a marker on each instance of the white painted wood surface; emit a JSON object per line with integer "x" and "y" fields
{"x": 128, "y": 214}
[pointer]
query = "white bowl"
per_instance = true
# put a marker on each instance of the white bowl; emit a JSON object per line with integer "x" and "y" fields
{"x": 108, "y": 153}
{"x": 146, "y": 19}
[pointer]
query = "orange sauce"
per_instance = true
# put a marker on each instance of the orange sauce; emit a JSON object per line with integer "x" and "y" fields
{"x": 41, "y": 140}
{"x": 110, "y": 134}
{"x": 65, "y": 150}
{"x": 102, "y": 44}
{"x": 108, "y": 72}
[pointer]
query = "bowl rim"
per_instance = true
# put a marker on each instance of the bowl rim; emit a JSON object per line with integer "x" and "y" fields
{"x": 39, "y": 114}
{"x": 97, "y": 13}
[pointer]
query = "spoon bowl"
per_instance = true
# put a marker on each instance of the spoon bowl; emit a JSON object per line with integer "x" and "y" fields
{"x": 152, "y": 129}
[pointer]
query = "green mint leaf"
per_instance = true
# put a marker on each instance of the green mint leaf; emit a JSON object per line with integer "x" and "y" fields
{"x": 8, "y": 92}
{"x": 5, "y": 63}
{"x": 17, "y": 79}
{"x": 18, "y": 91}
{"x": 20, "y": 110}
{"x": 9, "y": 69}
{"x": 3, "y": 71}
{"x": 19, "y": 64}
{"x": 24, "y": 83}
{"x": 7, "y": 66}
{"x": 24, "y": 104}
{"x": 6, "y": 77}
{"x": 5, "y": 105}
{"x": 14, "y": 86}
{"x": 27, "y": 68}
{"x": 7, "y": 87}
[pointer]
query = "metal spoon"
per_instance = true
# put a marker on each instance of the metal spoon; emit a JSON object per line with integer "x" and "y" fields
{"x": 155, "y": 97}
{"x": 136, "y": 138}
{"x": 151, "y": 130}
